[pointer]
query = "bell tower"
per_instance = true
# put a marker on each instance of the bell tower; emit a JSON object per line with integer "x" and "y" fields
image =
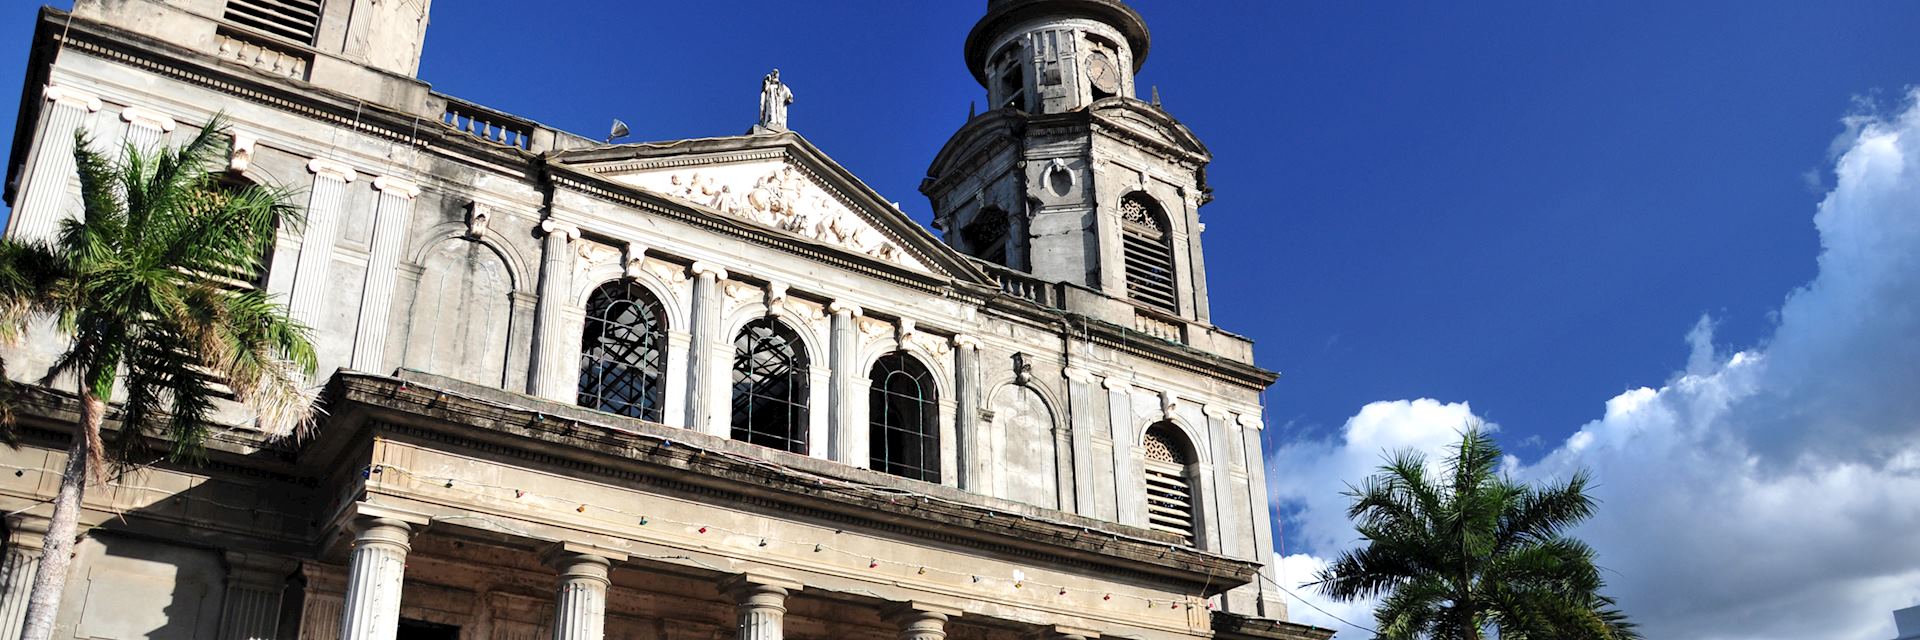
{"x": 1068, "y": 176}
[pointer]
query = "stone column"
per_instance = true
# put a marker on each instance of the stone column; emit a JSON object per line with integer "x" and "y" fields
{"x": 673, "y": 411}
{"x": 580, "y": 598}
{"x": 1226, "y": 519}
{"x": 703, "y": 362}
{"x": 1129, "y": 486}
{"x": 321, "y": 601}
{"x": 844, "y": 434}
{"x": 1080, "y": 424}
{"x": 330, "y": 178}
{"x": 383, "y": 265}
{"x": 146, "y": 128}
{"x": 16, "y": 575}
{"x": 1273, "y": 604}
{"x": 551, "y": 353}
{"x": 968, "y": 436}
{"x": 43, "y": 202}
{"x": 919, "y": 620}
{"x": 375, "y": 573}
{"x": 255, "y": 583}
{"x": 761, "y": 605}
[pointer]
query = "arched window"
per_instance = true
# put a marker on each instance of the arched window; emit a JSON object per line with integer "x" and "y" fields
{"x": 902, "y": 417}
{"x": 623, "y": 356}
{"x": 1169, "y": 481}
{"x": 1148, "y": 248}
{"x": 770, "y": 386}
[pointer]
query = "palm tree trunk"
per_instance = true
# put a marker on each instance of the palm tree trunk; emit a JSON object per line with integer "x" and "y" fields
{"x": 62, "y": 532}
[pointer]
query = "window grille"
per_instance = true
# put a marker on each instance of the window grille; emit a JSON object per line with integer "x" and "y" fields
{"x": 623, "y": 352}
{"x": 770, "y": 386}
{"x": 903, "y": 419}
{"x": 296, "y": 20}
{"x": 1147, "y": 247}
{"x": 1169, "y": 487}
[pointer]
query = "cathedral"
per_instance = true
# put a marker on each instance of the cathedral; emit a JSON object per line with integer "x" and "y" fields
{"x": 700, "y": 389}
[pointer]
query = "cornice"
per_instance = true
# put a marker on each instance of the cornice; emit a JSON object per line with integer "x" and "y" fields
{"x": 636, "y": 452}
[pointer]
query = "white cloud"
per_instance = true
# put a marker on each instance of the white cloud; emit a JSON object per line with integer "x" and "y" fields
{"x": 1771, "y": 493}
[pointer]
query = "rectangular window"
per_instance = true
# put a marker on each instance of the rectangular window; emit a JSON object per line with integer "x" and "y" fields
{"x": 296, "y": 20}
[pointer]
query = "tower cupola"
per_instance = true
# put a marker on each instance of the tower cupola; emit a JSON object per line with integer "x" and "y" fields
{"x": 1053, "y": 56}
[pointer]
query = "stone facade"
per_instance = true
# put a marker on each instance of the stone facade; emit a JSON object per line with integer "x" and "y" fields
{"x": 551, "y": 364}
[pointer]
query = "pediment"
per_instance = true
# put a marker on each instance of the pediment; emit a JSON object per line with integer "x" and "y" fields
{"x": 1148, "y": 123}
{"x": 780, "y": 183}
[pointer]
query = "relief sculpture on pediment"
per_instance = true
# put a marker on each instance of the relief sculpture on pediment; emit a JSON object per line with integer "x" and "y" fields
{"x": 785, "y": 200}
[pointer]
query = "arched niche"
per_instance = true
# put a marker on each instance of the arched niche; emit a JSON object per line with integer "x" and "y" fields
{"x": 461, "y": 315}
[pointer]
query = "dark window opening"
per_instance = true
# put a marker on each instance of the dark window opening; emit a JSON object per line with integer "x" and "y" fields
{"x": 903, "y": 412}
{"x": 422, "y": 630}
{"x": 770, "y": 386}
{"x": 623, "y": 352}
{"x": 986, "y": 235}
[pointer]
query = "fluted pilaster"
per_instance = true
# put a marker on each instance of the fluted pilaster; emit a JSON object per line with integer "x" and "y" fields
{"x": 580, "y": 599}
{"x": 844, "y": 434}
{"x": 969, "y": 438}
{"x": 44, "y": 200}
{"x": 761, "y": 604}
{"x": 375, "y": 573}
{"x": 554, "y": 352}
{"x": 255, "y": 584}
{"x": 383, "y": 268}
{"x": 22, "y": 561}
{"x": 146, "y": 128}
{"x": 702, "y": 363}
{"x": 1130, "y": 492}
{"x": 316, "y": 240}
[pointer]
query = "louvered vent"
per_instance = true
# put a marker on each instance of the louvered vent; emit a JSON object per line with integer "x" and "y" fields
{"x": 1148, "y": 250}
{"x": 1169, "y": 495}
{"x": 296, "y": 20}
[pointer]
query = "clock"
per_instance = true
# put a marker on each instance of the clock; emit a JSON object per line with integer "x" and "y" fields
{"x": 1102, "y": 74}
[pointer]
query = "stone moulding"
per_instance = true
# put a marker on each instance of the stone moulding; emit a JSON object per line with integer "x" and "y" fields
{"x": 439, "y": 409}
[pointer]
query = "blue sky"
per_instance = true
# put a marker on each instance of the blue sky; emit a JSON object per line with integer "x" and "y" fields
{"x": 1523, "y": 206}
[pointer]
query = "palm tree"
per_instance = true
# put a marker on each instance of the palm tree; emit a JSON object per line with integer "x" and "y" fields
{"x": 1455, "y": 553}
{"x": 146, "y": 290}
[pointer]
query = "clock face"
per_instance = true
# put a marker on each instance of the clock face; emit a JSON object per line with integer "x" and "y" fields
{"x": 1101, "y": 72}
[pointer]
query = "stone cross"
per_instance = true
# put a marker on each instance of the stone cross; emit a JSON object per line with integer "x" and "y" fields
{"x": 774, "y": 98}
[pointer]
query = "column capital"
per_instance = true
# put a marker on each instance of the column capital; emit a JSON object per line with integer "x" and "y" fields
{"x": 70, "y": 96}
{"x": 333, "y": 169}
{"x": 566, "y": 231}
{"x": 842, "y": 306}
{"x": 396, "y": 187}
{"x": 259, "y": 570}
{"x": 919, "y": 620}
{"x": 702, "y": 268}
{"x": 1251, "y": 421}
{"x": 913, "y": 609}
{"x": 378, "y": 531}
{"x": 149, "y": 117}
{"x": 1063, "y": 632}
{"x": 581, "y": 564}
{"x": 1117, "y": 385}
{"x": 1076, "y": 374}
{"x": 745, "y": 587}
{"x": 1215, "y": 412}
{"x": 964, "y": 341}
